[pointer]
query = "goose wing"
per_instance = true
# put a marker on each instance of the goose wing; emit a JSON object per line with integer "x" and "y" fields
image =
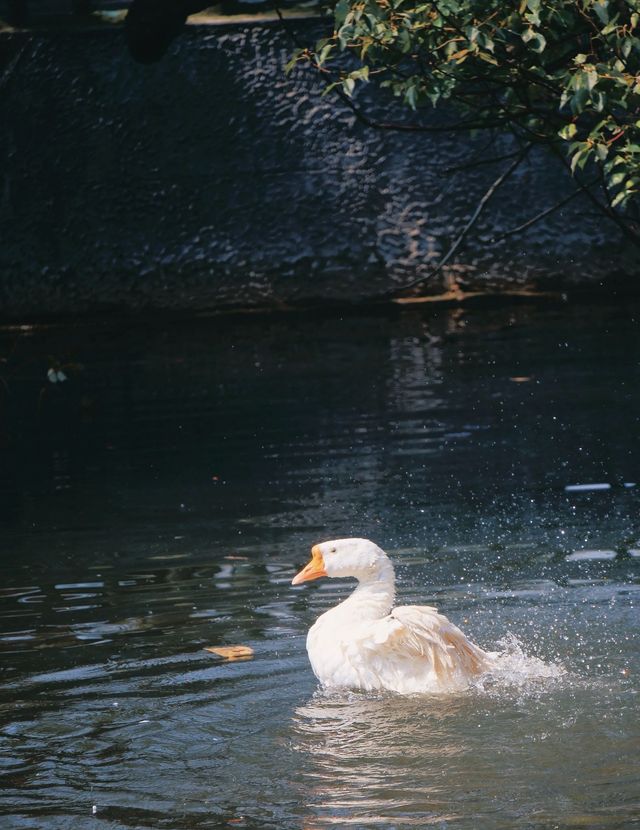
{"x": 420, "y": 632}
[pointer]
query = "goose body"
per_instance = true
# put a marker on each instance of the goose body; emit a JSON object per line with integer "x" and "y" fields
{"x": 365, "y": 643}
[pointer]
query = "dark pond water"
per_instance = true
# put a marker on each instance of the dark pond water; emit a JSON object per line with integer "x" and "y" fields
{"x": 160, "y": 499}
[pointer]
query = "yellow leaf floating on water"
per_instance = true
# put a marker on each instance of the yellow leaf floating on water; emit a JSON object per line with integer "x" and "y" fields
{"x": 231, "y": 652}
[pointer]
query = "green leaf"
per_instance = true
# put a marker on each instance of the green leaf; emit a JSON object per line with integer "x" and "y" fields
{"x": 361, "y": 74}
{"x": 579, "y": 158}
{"x": 528, "y": 34}
{"x": 601, "y": 8}
{"x": 472, "y": 33}
{"x": 323, "y": 54}
{"x": 340, "y": 12}
{"x": 616, "y": 179}
{"x": 484, "y": 42}
{"x": 568, "y": 131}
{"x": 602, "y": 151}
{"x": 591, "y": 78}
{"x": 534, "y": 40}
{"x": 579, "y": 100}
{"x": 411, "y": 97}
{"x": 487, "y": 58}
{"x": 619, "y": 198}
{"x": 293, "y": 61}
{"x": 404, "y": 41}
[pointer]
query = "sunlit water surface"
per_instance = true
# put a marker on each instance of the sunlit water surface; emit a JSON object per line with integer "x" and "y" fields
{"x": 161, "y": 498}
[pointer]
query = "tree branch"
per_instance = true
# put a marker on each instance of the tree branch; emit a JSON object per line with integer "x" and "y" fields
{"x": 502, "y": 178}
{"x": 463, "y": 126}
{"x": 628, "y": 232}
{"x": 525, "y": 225}
{"x": 471, "y": 165}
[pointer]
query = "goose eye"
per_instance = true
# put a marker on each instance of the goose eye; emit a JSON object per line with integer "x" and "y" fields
{"x": 332, "y": 550}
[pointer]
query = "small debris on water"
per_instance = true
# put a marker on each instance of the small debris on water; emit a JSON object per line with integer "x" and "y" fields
{"x": 94, "y": 809}
{"x": 580, "y": 488}
{"x": 56, "y": 376}
{"x": 231, "y": 653}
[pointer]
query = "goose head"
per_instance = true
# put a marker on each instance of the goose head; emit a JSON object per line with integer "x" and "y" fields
{"x": 357, "y": 558}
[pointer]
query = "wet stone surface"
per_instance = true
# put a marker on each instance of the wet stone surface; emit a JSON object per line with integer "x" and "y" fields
{"x": 212, "y": 179}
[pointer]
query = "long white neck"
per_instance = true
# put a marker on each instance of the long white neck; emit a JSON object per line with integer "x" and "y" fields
{"x": 374, "y": 596}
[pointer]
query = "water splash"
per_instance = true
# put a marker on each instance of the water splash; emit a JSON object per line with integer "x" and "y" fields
{"x": 513, "y": 669}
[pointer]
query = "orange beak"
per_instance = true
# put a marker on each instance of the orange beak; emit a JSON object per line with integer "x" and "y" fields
{"x": 314, "y": 570}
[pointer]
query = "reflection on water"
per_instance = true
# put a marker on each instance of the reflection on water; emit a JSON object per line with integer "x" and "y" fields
{"x": 456, "y": 760}
{"x": 160, "y": 500}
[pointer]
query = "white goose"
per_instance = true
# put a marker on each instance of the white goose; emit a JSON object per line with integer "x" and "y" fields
{"x": 365, "y": 643}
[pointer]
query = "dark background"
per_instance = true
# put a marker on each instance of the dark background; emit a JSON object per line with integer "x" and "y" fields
{"x": 213, "y": 179}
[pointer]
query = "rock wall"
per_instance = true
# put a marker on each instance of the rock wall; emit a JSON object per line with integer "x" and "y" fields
{"x": 213, "y": 180}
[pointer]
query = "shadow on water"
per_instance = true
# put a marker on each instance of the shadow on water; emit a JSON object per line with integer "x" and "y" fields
{"x": 160, "y": 498}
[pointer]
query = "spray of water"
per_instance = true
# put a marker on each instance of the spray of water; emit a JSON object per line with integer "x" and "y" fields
{"x": 512, "y": 668}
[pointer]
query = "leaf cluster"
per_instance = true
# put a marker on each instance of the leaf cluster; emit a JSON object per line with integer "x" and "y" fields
{"x": 564, "y": 73}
